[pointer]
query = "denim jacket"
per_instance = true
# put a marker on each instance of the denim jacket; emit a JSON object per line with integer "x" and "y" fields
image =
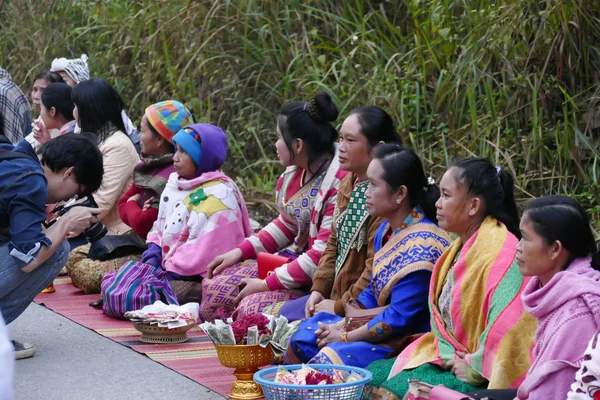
{"x": 23, "y": 194}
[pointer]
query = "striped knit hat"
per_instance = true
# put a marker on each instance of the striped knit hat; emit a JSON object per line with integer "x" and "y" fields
{"x": 168, "y": 118}
{"x": 77, "y": 68}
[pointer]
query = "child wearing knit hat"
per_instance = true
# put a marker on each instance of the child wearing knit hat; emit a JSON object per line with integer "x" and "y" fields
{"x": 72, "y": 71}
{"x": 201, "y": 214}
{"x": 76, "y": 71}
{"x": 138, "y": 208}
{"x": 202, "y": 211}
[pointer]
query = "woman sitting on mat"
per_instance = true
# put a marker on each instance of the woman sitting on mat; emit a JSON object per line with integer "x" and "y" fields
{"x": 481, "y": 337}
{"x": 40, "y": 83}
{"x": 56, "y": 114}
{"x": 564, "y": 295}
{"x": 344, "y": 271}
{"x": 305, "y": 198}
{"x": 138, "y": 208}
{"x": 407, "y": 246}
{"x": 202, "y": 212}
{"x": 98, "y": 109}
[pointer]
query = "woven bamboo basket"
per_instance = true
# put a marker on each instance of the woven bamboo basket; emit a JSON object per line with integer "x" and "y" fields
{"x": 156, "y": 334}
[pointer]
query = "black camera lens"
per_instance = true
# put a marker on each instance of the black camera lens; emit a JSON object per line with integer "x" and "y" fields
{"x": 95, "y": 232}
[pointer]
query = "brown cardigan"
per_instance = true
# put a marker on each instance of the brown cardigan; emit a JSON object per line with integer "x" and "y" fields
{"x": 355, "y": 274}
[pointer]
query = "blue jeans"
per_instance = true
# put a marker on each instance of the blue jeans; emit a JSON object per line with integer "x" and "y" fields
{"x": 18, "y": 288}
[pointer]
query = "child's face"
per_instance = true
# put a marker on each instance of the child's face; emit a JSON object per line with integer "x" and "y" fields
{"x": 183, "y": 163}
{"x": 68, "y": 80}
{"x": 48, "y": 117}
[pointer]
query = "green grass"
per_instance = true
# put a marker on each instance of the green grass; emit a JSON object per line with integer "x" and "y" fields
{"x": 513, "y": 80}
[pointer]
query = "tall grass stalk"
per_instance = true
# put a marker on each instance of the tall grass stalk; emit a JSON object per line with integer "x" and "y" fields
{"x": 517, "y": 81}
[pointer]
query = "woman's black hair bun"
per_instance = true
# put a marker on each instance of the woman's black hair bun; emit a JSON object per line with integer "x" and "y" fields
{"x": 322, "y": 108}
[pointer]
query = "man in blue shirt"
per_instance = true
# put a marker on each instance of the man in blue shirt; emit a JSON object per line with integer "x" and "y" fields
{"x": 30, "y": 255}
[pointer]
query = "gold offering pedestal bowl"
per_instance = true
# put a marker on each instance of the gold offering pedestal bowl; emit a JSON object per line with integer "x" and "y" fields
{"x": 246, "y": 359}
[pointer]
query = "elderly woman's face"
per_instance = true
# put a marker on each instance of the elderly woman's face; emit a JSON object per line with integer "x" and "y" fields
{"x": 36, "y": 93}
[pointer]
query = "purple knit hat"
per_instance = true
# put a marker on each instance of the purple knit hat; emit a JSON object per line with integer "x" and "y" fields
{"x": 212, "y": 143}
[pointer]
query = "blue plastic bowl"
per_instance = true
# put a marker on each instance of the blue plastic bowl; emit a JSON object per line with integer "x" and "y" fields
{"x": 282, "y": 391}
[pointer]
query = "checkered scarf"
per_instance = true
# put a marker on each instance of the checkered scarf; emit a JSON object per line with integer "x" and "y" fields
{"x": 14, "y": 109}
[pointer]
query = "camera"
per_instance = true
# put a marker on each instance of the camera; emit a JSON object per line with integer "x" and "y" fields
{"x": 95, "y": 232}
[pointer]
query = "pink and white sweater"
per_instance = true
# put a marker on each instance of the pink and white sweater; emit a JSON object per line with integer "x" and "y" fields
{"x": 587, "y": 379}
{"x": 568, "y": 312}
{"x": 282, "y": 231}
{"x": 198, "y": 219}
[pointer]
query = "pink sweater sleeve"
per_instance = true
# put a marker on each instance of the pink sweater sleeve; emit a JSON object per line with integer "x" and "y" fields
{"x": 299, "y": 272}
{"x": 559, "y": 375}
{"x": 278, "y": 234}
{"x": 559, "y": 354}
{"x": 273, "y": 237}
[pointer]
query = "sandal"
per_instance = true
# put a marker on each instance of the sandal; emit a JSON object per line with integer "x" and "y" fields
{"x": 49, "y": 289}
{"x": 97, "y": 304}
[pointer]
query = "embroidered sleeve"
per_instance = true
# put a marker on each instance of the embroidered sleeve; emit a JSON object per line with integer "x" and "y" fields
{"x": 273, "y": 237}
{"x": 276, "y": 235}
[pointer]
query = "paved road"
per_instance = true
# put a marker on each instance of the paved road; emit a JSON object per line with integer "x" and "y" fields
{"x": 73, "y": 362}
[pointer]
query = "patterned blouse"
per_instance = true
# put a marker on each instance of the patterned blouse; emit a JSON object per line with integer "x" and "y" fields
{"x": 350, "y": 222}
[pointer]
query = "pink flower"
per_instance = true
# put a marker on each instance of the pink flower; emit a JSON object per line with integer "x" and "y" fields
{"x": 316, "y": 378}
{"x": 240, "y": 327}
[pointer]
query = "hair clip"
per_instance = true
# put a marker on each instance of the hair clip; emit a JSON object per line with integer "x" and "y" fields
{"x": 430, "y": 181}
{"x": 498, "y": 170}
